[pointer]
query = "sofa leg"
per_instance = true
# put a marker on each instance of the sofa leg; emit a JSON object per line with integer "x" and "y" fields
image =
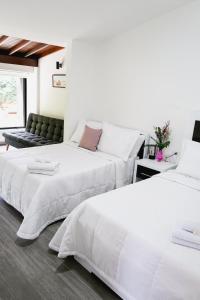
{"x": 7, "y": 147}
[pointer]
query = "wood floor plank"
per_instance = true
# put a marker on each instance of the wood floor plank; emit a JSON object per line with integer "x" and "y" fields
{"x": 30, "y": 271}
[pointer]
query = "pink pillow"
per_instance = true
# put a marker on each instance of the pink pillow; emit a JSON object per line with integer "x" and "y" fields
{"x": 90, "y": 138}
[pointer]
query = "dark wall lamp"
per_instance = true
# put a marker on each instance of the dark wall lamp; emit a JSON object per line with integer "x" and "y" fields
{"x": 59, "y": 65}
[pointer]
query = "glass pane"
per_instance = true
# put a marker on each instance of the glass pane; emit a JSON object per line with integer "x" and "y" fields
{"x": 11, "y": 102}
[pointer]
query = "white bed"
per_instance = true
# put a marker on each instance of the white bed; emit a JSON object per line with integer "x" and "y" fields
{"x": 124, "y": 237}
{"x": 44, "y": 199}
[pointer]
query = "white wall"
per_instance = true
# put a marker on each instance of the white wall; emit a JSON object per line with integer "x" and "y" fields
{"x": 82, "y": 101}
{"x": 52, "y": 101}
{"x": 32, "y": 92}
{"x": 144, "y": 77}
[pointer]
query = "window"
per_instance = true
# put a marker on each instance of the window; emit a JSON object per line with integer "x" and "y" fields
{"x": 12, "y": 101}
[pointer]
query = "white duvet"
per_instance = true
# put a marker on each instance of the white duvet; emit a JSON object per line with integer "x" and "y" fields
{"x": 124, "y": 236}
{"x": 44, "y": 199}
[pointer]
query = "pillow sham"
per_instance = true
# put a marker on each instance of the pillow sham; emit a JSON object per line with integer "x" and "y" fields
{"x": 189, "y": 163}
{"x": 78, "y": 133}
{"x": 118, "y": 141}
{"x": 90, "y": 138}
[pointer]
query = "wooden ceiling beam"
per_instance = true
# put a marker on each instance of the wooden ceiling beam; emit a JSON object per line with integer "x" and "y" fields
{"x": 53, "y": 49}
{"x": 18, "y": 51}
{"x": 3, "y": 38}
{"x": 36, "y": 49}
{"x": 9, "y": 59}
{"x": 19, "y": 46}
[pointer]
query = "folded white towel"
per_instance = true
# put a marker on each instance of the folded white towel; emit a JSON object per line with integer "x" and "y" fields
{"x": 186, "y": 238}
{"x": 43, "y": 172}
{"x": 193, "y": 227}
{"x": 42, "y": 160}
{"x": 41, "y": 166}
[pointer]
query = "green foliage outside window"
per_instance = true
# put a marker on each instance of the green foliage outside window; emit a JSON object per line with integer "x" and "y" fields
{"x": 8, "y": 91}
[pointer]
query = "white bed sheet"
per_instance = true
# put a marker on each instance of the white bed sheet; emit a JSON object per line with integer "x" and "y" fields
{"x": 124, "y": 236}
{"x": 44, "y": 199}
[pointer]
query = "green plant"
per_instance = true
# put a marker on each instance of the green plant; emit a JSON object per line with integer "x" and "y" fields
{"x": 162, "y": 136}
{"x": 8, "y": 90}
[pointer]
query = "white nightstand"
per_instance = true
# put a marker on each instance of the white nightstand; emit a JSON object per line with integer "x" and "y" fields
{"x": 146, "y": 168}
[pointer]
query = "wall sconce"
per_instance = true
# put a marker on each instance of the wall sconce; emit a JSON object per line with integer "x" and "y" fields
{"x": 59, "y": 65}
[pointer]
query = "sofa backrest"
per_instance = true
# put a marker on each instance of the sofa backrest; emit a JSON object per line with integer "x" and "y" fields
{"x": 50, "y": 128}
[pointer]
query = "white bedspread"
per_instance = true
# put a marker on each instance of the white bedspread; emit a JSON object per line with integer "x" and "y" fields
{"x": 124, "y": 236}
{"x": 44, "y": 199}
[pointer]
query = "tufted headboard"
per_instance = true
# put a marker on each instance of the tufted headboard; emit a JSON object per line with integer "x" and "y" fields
{"x": 50, "y": 128}
{"x": 196, "y": 132}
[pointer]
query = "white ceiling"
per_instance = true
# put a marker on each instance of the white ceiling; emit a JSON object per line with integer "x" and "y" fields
{"x": 62, "y": 20}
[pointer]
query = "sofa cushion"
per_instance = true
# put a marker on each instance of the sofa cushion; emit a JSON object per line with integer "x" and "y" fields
{"x": 26, "y": 139}
{"x": 50, "y": 128}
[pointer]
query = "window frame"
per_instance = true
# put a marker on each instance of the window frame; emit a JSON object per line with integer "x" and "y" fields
{"x": 24, "y": 91}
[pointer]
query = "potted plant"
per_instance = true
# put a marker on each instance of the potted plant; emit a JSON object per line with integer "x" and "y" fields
{"x": 161, "y": 140}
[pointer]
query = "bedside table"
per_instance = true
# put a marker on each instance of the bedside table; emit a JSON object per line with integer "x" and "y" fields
{"x": 146, "y": 168}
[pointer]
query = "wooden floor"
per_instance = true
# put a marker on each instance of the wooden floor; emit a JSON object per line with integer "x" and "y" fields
{"x": 29, "y": 271}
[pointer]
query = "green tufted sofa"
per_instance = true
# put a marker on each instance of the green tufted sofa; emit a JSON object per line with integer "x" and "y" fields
{"x": 40, "y": 131}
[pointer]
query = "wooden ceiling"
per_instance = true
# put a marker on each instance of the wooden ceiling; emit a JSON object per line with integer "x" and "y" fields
{"x": 23, "y": 52}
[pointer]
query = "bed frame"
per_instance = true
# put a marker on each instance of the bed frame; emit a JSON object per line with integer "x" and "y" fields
{"x": 141, "y": 151}
{"x": 196, "y": 132}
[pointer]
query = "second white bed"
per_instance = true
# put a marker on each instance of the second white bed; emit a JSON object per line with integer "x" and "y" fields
{"x": 124, "y": 237}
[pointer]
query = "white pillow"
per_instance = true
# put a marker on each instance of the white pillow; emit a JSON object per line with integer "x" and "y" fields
{"x": 118, "y": 141}
{"x": 78, "y": 133}
{"x": 189, "y": 163}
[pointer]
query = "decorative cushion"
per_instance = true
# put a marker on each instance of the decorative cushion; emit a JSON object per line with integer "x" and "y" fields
{"x": 78, "y": 133}
{"x": 90, "y": 138}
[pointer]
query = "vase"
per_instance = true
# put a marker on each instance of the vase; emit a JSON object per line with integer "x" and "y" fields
{"x": 159, "y": 155}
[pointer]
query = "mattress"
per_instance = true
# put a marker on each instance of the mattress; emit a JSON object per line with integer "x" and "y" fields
{"x": 124, "y": 237}
{"x": 44, "y": 199}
